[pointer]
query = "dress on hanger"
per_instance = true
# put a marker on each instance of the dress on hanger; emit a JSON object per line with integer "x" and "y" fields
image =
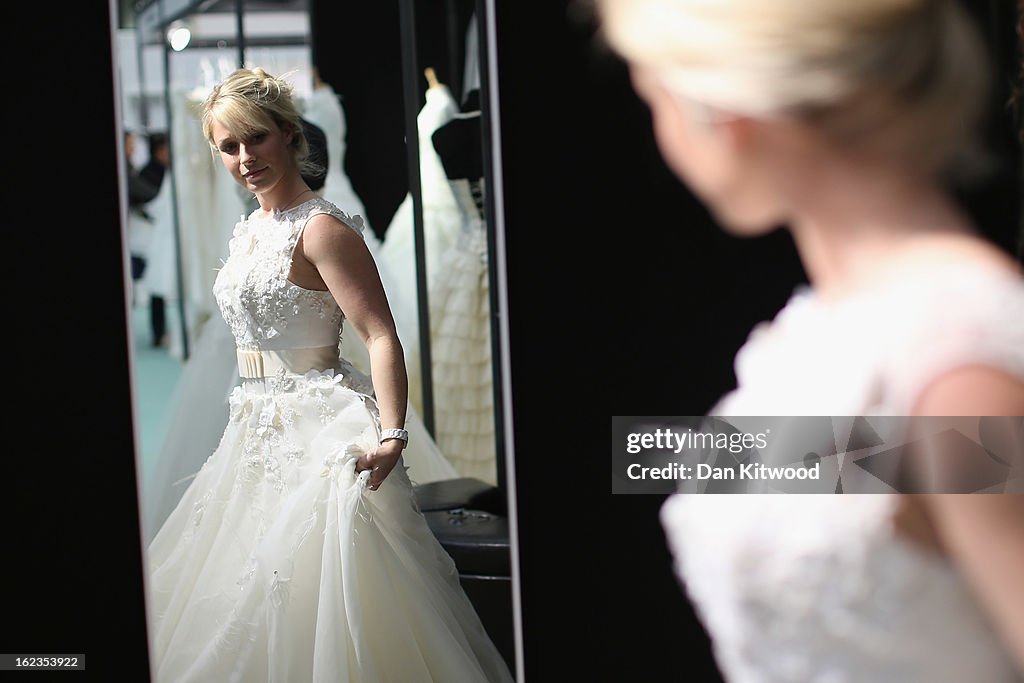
{"x": 209, "y": 202}
{"x": 820, "y": 587}
{"x": 278, "y": 564}
{"x": 460, "y": 338}
{"x": 442, "y": 223}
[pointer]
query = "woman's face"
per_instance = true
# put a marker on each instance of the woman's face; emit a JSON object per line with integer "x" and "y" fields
{"x": 257, "y": 163}
{"x": 715, "y": 154}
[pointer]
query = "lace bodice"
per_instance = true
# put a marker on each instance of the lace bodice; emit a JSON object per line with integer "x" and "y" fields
{"x": 263, "y": 309}
{"x": 820, "y": 588}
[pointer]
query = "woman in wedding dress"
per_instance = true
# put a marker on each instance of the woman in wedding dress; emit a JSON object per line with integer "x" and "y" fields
{"x": 298, "y": 552}
{"x": 199, "y": 408}
{"x": 840, "y": 120}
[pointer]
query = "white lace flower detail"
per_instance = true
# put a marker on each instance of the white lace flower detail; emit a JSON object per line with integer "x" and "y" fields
{"x": 269, "y": 423}
{"x": 239, "y": 405}
{"x": 267, "y": 418}
{"x": 246, "y": 577}
{"x": 252, "y": 289}
{"x": 340, "y": 455}
{"x": 322, "y": 382}
{"x": 281, "y": 382}
{"x": 354, "y": 221}
{"x": 319, "y": 386}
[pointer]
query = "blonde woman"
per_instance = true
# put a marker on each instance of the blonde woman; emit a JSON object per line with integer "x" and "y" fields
{"x": 298, "y": 553}
{"x": 842, "y": 121}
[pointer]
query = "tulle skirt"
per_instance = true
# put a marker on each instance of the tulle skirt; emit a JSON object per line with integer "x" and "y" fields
{"x": 199, "y": 411}
{"x": 280, "y": 565}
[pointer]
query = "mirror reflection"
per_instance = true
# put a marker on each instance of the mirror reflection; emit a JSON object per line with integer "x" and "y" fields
{"x": 451, "y": 180}
{"x": 192, "y": 379}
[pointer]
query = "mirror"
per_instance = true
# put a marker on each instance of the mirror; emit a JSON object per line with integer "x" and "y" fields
{"x": 427, "y": 230}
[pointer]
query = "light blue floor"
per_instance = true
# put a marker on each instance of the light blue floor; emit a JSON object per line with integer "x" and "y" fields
{"x": 156, "y": 372}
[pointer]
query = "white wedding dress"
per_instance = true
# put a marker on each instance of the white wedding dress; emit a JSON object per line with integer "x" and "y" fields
{"x": 278, "y": 564}
{"x": 460, "y": 342}
{"x": 198, "y": 409}
{"x": 442, "y": 223}
{"x": 804, "y": 588}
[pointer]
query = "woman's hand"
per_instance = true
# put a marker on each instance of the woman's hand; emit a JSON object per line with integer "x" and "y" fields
{"x": 380, "y": 461}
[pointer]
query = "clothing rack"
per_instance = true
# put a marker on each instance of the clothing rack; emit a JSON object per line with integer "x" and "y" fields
{"x": 152, "y": 19}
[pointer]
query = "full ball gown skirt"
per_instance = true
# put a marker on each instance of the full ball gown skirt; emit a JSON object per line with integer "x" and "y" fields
{"x": 279, "y": 564}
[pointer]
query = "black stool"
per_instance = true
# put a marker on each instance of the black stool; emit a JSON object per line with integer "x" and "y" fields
{"x": 469, "y": 519}
{"x": 464, "y": 492}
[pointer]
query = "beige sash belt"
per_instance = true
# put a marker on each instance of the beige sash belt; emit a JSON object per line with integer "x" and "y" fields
{"x": 255, "y": 364}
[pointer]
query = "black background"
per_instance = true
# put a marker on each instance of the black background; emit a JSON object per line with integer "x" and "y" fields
{"x": 625, "y": 299}
{"x": 364, "y": 67}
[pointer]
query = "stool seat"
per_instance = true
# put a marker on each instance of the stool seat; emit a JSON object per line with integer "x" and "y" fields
{"x": 476, "y": 540}
{"x": 462, "y": 492}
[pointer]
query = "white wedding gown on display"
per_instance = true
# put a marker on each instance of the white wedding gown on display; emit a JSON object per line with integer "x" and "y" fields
{"x": 819, "y": 588}
{"x": 460, "y": 342}
{"x": 278, "y": 564}
{"x": 442, "y": 223}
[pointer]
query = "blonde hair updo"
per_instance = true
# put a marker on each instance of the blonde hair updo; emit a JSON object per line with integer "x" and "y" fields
{"x": 247, "y": 102}
{"x": 906, "y": 78}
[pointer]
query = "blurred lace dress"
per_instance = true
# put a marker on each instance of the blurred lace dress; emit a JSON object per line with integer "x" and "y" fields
{"x": 820, "y": 588}
{"x": 278, "y": 563}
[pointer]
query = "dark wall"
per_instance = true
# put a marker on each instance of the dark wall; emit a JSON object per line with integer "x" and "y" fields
{"x": 357, "y": 47}
{"x": 625, "y": 299}
{"x": 71, "y": 557}
{"x": 994, "y": 200}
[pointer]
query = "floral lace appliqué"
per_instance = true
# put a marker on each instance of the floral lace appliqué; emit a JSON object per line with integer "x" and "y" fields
{"x": 252, "y": 288}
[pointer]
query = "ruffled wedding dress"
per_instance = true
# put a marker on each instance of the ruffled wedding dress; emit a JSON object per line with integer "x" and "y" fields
{"x": 460, "y": 339}
{"x": 442, "y": 223}
{"x": 812, "y": 588}
{"x": 279, "y": 564}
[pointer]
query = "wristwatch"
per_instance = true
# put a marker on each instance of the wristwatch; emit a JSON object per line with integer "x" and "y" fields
{"x": 400, "y": 434}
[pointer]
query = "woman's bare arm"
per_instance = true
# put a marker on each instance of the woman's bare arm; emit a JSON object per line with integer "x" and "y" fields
{"x": 349, "y": 272}
{"x": 983, "y": 533}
